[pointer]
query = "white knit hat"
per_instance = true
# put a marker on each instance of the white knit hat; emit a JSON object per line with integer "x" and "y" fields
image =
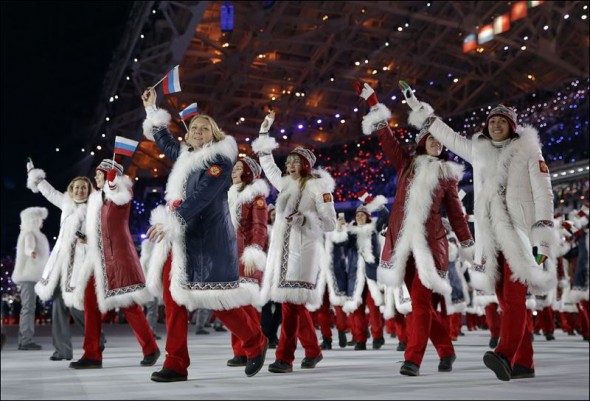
{"x": 109, "y": 164}
{"x": 306, "y": 153}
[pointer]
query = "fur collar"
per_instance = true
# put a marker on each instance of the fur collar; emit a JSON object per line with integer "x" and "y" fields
{"x": 188, "y": 162}
{"x": 290, "y": 192}
{"x": 236, "y": 199}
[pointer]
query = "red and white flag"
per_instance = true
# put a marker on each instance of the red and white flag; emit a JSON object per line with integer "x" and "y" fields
{"x": 171, "y": 82}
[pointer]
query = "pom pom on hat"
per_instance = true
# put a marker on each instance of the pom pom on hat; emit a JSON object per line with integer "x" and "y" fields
{"x": 109, "y": 164}
{"x": 364, "y": 196}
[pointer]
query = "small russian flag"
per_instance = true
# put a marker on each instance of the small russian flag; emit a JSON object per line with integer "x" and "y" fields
{"x": 189, "y": 111}
{"x": 124, "y": 146}
{"x": 172, "y": 82}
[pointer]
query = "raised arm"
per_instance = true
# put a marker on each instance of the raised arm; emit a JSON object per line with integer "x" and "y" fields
{"x": 376, "y": 121}
{"x": 155, "y": 126}
{"x": 263, "y": 147}
{"x": 422, "y": 116}
{"x": 37, "y": 182}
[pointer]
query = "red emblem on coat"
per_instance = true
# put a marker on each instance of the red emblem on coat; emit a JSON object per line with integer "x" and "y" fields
{"x": 327, "y": 197}
{"x": 543, "y": 167}
{"x": 214, "y": 171}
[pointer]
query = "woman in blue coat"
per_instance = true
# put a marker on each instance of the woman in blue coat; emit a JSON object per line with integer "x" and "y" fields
{"x": 195, "y": 260}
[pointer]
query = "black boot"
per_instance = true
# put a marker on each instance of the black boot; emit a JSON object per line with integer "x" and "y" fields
{"x": 326, "y": 343}
{"x": 342, "y": 339}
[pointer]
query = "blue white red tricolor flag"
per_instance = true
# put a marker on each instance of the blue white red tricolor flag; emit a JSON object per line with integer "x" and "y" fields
{"x": 190, "y": 111}
{"x": 124, "y": 146}
{"x": 171, "y": 82}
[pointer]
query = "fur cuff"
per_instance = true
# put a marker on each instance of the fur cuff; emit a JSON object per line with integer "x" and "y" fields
{"x": 377, "y": 114}
{"x": 34, "y": 177}
{"x": 418, "y": 117}
{"x": 120, "y": 192}
{"x": 253, "y": 254}
{"x": 338, "y": 237}
{"x": 264, "y": 144}
{"x": 172, "y": 224}
{"x": 159, "y": 119}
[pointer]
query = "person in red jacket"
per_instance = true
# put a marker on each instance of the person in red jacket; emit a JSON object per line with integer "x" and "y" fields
{"x": 112, "y": 276}
{"x": 248, "y": 210}
{"x": 415, "y": 249}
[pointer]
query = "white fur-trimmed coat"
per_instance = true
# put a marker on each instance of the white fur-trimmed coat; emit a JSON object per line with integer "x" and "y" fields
{"x": 69, "y": 252}
{"x": 118, "y": 276}
{"x": 199, "y": 235}
{"x": 249, "y": 218}
{"x": 513, "y": 206}
{"x": 294, "y": 254}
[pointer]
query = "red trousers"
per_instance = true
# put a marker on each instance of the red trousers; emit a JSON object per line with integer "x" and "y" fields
{"x": 456, "y": 321}
{"x": 324, "y": 316}
{"x": 545, "y": 321}
{"x": 237, "y": 320}
{"x": 471, "y": 320}
{"x": 493, "y": 319}
{"x": 583, "y": 319}
{"x": 236, "y": 344}
{"x": 424, "y": 323}
{"x": 93, "y": 325}
{"x": 296, "y": 323}
{"x": 360, "y": 321}
{"x": 515, "y": 334}
{"x": 400, "y": 327}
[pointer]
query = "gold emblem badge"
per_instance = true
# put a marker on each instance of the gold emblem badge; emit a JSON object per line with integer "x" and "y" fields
{"x": 214, "y": 171}
{"x": 260, "y": 203}
{"x": 327, "y": 197}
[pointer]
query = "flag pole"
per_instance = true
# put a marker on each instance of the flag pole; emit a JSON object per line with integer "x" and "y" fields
{"x": 158, "y": 83}
{"x": 183, "y": 123}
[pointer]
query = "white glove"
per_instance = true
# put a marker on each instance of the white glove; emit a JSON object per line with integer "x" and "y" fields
{"x": 409, "y": 96}
{"x": 296, "y": 219}
{"x": 467, "y": 253}
{"x": 267, "y": 123}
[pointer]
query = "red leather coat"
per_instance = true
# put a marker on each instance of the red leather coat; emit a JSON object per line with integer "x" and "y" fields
{"x": 252, "y": 231}
{"x": 435, "y": 188}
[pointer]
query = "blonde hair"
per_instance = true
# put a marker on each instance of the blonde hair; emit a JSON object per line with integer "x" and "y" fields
{"x": 218, "y": 134}
{"x": 80, "y": 178}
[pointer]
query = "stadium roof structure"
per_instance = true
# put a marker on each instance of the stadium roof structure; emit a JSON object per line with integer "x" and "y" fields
{"x": 302, "y": 57}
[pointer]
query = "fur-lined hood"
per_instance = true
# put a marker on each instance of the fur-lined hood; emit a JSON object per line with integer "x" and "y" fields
{"x": 32, "y": 217}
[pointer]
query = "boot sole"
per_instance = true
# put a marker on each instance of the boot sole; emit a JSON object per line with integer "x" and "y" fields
{"x": 493, "y": 363}
{"x": 261, "y": 362}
